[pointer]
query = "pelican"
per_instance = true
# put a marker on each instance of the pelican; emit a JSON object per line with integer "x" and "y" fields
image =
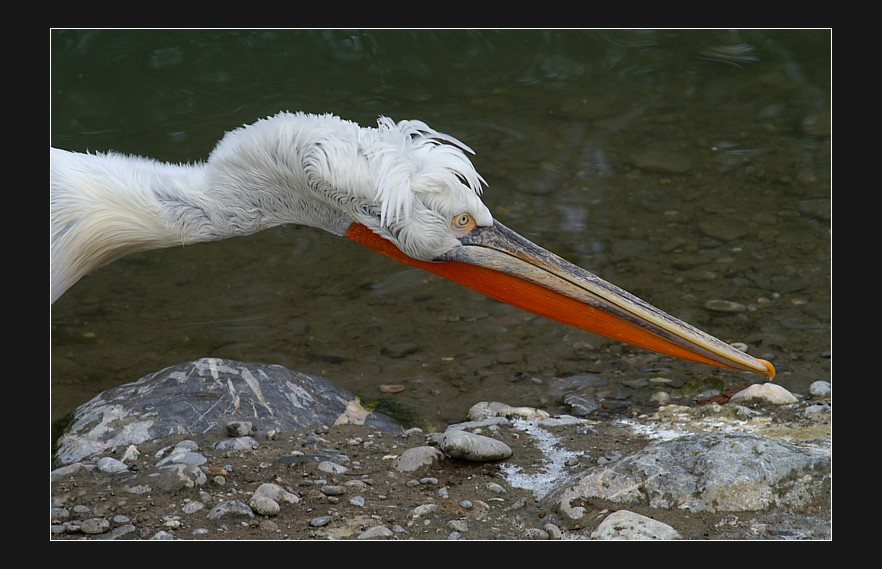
{"x": 401, "y": 189}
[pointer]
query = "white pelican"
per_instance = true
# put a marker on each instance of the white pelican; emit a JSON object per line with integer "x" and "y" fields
{"x": 402, "y": 189}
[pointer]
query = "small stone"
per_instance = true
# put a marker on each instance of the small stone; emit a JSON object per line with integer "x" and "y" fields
{"x": 239, "y": 428}
{"x": 661, "y": 161}
{"x": 469, "y": 446}
{"x": 723, "y": 228}
{"x": 625, "y": 525}
{"x": 183, "y": 457}
{"x": 415, "y": 458}
{"x": 391, "y": 388}
{"x": 333, "y": 490}
{"x": 581, "y": 404}
{"x": 177, "y": 477}
{"x": 276, "y": 493}
{"x": 320, "y": 521}
{"x": 509, "y": 357}
{"x": 536, "y": 533}
{"x": 820, "y": 389}
{"x": 423, "y": 509}
{"x": 553, "y": 531}
{"x": 661, "y": 397}
{"x": 187, "y": 444}
{"x": 264, "y": 506}
{"x": 331, "y": 467}
{"x": 458, "y": 526}
{"x": 238, "y": 443}
{"x": 192, "y": 507}
{"x": 231, "y": 509}
{"x": 484, "y": 410}
{"x": 376, "y": 532}
{"x": 94, "y": 525}
{"x": 131, "y": 454}
{"x": 768, "y": 392}
{"x": 111, "y": 465}
{"x": 718, "y": 305}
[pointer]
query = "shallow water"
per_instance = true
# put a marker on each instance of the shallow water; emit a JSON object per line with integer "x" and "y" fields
{"x": 684, "y": 166}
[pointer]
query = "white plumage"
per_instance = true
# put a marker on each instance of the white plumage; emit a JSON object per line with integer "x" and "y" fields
{"x": 402, "y": 180}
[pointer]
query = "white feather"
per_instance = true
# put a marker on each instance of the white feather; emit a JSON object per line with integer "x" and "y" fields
{"x": 403, "y": 180}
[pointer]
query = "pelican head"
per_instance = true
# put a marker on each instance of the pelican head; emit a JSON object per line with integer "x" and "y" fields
{"x": 401, "y": 189}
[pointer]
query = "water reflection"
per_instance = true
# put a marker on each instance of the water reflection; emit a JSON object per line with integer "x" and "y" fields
{"x": 685, "y": 166}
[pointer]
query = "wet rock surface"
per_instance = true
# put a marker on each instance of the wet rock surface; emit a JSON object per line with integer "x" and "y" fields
{"x": 750, "y": 470}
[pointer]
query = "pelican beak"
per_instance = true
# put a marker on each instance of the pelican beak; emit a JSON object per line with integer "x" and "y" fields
{"x": 498, "y": 262}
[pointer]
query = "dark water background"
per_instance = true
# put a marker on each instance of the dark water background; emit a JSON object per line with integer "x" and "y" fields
{"x": 683, "y": 165}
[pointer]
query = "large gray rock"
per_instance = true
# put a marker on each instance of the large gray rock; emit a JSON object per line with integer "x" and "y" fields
{"x": 708, "y": 473}
{"x": 204, "y": 396}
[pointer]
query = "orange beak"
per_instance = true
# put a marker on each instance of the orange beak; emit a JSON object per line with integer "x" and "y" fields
{"x": 498, "y": 262}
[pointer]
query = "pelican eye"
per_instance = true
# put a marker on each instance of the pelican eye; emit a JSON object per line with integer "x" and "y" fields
{"x": 463, "y": 223}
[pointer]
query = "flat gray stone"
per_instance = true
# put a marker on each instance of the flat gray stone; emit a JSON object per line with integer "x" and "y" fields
{"x": 205, "y": 396}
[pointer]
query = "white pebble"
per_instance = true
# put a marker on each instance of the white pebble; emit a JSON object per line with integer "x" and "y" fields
{"x": 769, "y": 392}
{"x": 331, "y": 467}
{"x": 820, "y": 389}
{"x": 627, "y": 525}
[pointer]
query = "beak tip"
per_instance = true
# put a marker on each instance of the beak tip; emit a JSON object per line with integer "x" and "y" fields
{"x": 769, "y": 368}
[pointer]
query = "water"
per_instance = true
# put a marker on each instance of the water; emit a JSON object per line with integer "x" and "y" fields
{"x": 684, "y": 166}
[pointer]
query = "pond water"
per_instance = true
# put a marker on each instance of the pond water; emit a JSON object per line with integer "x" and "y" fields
{"x": 686, "y": 166}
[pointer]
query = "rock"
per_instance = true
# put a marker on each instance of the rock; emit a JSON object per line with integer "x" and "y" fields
{"x": 625, "y": 525}
{"x": 485, "y": 409}
{"x": 767, "y": 392}
{"x": 376, "y": 532}
{"x": 722, "y": 228}
{"x": 820, "y": 389}
{"x": 238, "y": 443}
{"x": 662, "y": 161}
{"x": 423, "y": 509}
{"x": 175, "y": 477}
{"x": 469, "y": 446}
{"x": 204, "y": 395}
{"x": 320, "y": 521}
{"x": 416, "y": 458}
{"x": 94, "y": 525}
{"x": 264, "y": 505}
{"x": 331, "y": 467}
{"x": 718, "y": 305}
{"x": 230, "y": 509}
{"x": 111, "y": 465}
{"x": 183, "y": 457}
{"x": 239, "y": 428}
{"x": 581, "y": 404}
{"x": 131, "y": 454}
{"x": 706, "y": 473}
{"x": 276, "y": 493}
